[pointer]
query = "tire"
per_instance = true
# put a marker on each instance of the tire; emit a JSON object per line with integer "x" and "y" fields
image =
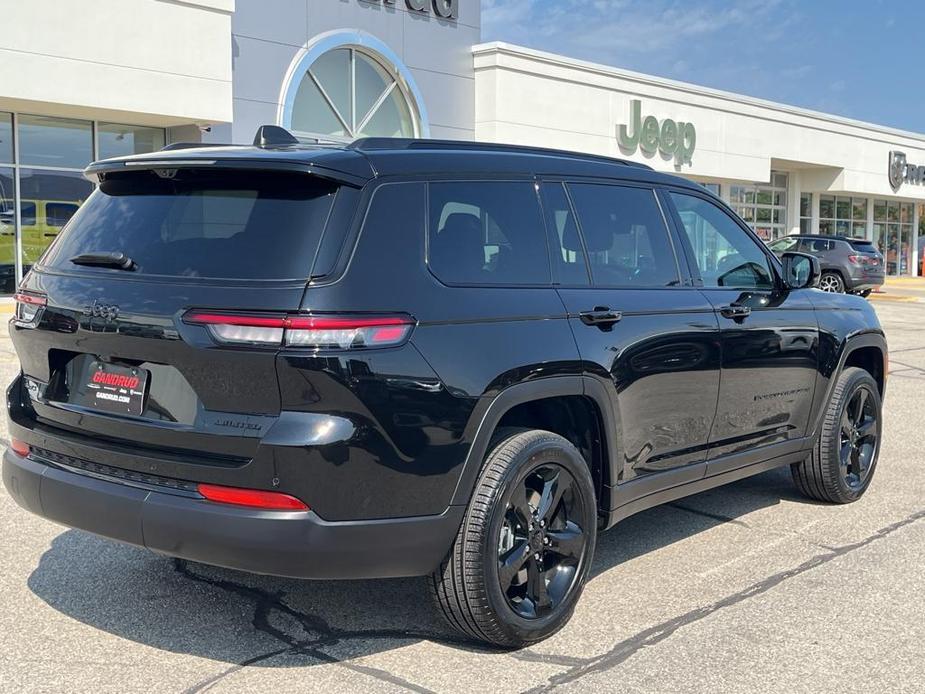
{"x": 468, "y": 587}
{"x": 832, "y": 282}
{"x": 843, "y": 461}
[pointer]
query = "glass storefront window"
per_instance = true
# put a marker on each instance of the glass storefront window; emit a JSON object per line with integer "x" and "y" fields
{"x": 859, "y": 209}
{"x": 116, "y": 140}
{"x": 7, "y": 232}
{"x": 763, "y": 205}
{"x": 57, "y": 142}
{"x": 6, "y": 138}
{"x": 842, "y": 216}
{"x": 893, "y": 234}
{"x": 806, "y": 213}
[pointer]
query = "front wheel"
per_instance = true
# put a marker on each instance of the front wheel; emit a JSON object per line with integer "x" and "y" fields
{"x": 843, "y": 461}
{"x": 521, "y": 557}
{"x": 832, "y": 282}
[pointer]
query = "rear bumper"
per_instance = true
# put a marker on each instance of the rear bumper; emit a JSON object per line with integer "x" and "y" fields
{"x": 864, "y": 282}
{"x": 292, "y": 544}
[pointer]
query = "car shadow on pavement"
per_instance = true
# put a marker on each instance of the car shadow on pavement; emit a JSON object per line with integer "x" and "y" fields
{"x": 244, "y": 619}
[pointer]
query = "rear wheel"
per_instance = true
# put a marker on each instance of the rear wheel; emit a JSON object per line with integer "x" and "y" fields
{"x": 843, "y": 461}
{"x": 522, "y": 555}
{"x": 832, "y": 282}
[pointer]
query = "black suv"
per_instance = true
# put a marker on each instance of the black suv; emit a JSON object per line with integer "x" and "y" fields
{"x": 848, "y": 265}
{"x": 402, "y": 358}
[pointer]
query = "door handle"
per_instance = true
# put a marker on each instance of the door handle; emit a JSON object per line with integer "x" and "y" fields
{"x": 735, "y": 312}
{"x": 601, "y": 316}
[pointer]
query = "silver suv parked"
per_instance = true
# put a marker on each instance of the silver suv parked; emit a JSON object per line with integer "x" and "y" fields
{"x": 848, "y": 265}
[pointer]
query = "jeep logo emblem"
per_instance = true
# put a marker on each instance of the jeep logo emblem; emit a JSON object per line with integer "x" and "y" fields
{"x": 901, "y": 171}
{"x": 671, "y": 138}
{"x": 101, "y": 310}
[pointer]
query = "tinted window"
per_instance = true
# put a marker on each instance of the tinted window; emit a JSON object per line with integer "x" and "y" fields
{"x": 570, "y": 255}
{"x": 816, "y": 245}
{"x": 487, "y": 232}
{"x": 244, "y": 225}
{"x": 726, "y": 255}
{"x": 625, "y": 236}
{"x": 786, "y": 244}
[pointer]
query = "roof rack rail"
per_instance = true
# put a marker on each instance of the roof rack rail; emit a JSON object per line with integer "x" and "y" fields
{"x": 396, "y": 143}
{"x": 191, "y": 145}
{"x": 274, "y": 136}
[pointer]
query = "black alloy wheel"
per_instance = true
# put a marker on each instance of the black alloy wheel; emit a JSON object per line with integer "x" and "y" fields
{"x": 541, "y": 541}
{"x": 520, "y": 560}
{"x": 859, "y": 437}
{"x": 843, "y": 460}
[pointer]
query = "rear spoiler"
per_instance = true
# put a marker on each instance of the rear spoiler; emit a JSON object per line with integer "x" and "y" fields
{"x": 98, "y": 171}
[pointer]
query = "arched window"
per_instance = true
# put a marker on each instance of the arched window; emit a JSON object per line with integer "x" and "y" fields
{"x": 350, "y": 91}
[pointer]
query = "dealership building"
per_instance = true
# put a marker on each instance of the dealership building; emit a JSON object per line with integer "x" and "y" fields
{"x": 114, "y": 77}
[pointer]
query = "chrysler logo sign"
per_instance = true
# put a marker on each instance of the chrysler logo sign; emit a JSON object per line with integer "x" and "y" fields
{"x": 901, "y": 171}
{"x": 445, "y": 9}
{"x": 671, "y": 138}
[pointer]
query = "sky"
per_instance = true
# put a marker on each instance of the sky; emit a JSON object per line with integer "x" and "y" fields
{"x": 862, "y": 59}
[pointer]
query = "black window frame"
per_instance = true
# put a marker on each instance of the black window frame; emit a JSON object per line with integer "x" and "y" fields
{"x": 774, "y": 262}
{"x": 531, "y": 179}
{"x": 552, "y": 240}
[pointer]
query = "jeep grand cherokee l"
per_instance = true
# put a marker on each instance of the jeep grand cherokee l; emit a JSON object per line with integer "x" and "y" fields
{"x": 402, "y": 358}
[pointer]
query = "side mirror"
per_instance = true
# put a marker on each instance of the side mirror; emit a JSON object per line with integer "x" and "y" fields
{"x": 801, "y": 271}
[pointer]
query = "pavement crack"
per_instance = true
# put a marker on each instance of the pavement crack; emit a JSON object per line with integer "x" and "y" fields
{"x": 626, "y": 649}
{"x": 318, "y": 633}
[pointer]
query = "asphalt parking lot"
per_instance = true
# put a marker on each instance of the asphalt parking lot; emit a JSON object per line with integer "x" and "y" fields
{"x": 744, "y": 588}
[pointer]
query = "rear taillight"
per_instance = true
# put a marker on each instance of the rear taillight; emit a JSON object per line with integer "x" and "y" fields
{"x": 251, "y": 498}
{"x": 20, "y": 448}
{"x": 856, "y": 259}
{"x": 314, "y": 332}
{"x": 28, "y": 307}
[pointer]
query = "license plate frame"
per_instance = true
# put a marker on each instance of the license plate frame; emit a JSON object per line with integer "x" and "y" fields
{"x": 113, "y": 388}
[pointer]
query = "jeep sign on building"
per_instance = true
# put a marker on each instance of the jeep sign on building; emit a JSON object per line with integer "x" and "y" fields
{"x": 336, "y": 70}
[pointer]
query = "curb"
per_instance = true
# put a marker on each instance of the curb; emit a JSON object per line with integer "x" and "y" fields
{"x": 896, "y": 299}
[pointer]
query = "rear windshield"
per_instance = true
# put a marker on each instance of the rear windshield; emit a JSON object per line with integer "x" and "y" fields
{"x": 863, "y": 246}
{"x": 241, "y": 225}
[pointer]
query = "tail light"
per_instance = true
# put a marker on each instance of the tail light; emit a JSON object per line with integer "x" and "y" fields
{"x": 20, "y": 448}
{"x": 314, "y": 332}
{"x": 28, "y": 307}
{"x": 856, "y": 259}
{"x": 251, "y": 498}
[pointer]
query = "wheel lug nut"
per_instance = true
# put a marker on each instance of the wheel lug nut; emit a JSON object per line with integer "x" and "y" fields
{"x": 537, "y": 556}
{"x": 545, "y": 540}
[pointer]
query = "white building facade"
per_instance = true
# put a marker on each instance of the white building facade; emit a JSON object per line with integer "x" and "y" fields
{"x": 114, "y": 77}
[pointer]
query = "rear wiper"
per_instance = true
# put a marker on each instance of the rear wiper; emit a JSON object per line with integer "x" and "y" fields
{"x": 116, "y": 260}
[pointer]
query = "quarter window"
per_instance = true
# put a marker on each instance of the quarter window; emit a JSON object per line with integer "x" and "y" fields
{"x": 726, "y": 255}
{"x": 625, "y": 236}
{"x": 487, "y": 232}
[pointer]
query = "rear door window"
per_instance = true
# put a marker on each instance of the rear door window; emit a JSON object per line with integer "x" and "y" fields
{"x": 568, "y": 248}
{"x": 208, "y": 224}
{"x": 625, "y": 234}
{"x": 487, "y": 233}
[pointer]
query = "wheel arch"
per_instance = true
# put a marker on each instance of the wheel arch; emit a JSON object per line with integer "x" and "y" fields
{"x": 867, "y": 350}
{"x": 561, "y": 404}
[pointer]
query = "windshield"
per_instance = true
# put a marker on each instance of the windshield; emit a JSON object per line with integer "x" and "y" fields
{"x": 216, "y": 224}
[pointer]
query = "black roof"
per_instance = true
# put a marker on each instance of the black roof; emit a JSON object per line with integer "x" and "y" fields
{"x": 367, "y": 159}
